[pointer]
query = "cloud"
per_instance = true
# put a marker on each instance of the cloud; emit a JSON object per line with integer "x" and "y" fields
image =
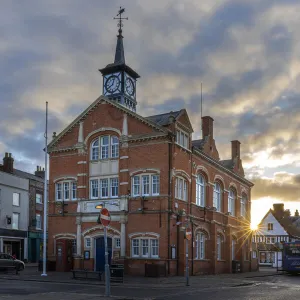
{"x": 246, "y": 54}
{"x": 283, "y": 186}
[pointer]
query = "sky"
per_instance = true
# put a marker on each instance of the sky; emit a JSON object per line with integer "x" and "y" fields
{"x": 245, "y": 53}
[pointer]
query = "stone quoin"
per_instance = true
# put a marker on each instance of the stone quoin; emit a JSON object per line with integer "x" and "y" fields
{"x": 154, "y": 180}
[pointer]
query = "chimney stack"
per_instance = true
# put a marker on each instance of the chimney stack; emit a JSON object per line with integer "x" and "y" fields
{"x": 235, "y": 149}
{"x": 39, "y": 172}
{"x": 207, "y": 126}
{"x": 8, "y": 163}
{"x": 278, "y": 209}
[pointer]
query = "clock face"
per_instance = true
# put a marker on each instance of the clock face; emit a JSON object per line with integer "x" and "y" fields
{"x": 129, "y": 85}
{"x": 112, "y": 84}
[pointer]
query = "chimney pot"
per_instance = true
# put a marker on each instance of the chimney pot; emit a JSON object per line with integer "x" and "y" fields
{"x": 8, "y": 163}
{"x": 6, "y": 154}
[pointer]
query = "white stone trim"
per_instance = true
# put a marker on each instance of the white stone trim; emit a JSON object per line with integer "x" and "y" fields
{"x": 146, "y": 170}
{"x": 204, "y": 230}
{"x": 220, "y": 178}
{"x": 203, "y": 170}
{"x": 123, "y": 183}
{"x": 141, "y": 234}
{"x": 102, "y": 129}
{"x": 81, "y": 187}
{"x": 178, "y": 172}
{"x": 124, "y": 157}
{"x": 124, "y": 170}
{"x": 88, "y": 232}
{"x": 64, "y": 236}
{"x": 233, "y": 185}
{"x": 221, "y": 232}
{"x": 82, "y": 174}
{"x": 81, "y": 162}
{"x": 64, "y": 178}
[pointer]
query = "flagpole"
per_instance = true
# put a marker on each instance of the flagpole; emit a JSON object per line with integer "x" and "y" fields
{"x": 45, "y": 198}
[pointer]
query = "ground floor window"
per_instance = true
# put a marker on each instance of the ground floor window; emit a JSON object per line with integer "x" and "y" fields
{"x": 200, "y": 245}
{"x": 145, "y": 247}
{"x": 266, "y": 257}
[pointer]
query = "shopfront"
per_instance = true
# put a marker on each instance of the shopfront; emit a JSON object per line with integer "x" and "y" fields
{"x": 35, "y": 246}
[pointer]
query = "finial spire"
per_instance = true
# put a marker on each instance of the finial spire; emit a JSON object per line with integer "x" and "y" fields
{"x": 119, "y": 56}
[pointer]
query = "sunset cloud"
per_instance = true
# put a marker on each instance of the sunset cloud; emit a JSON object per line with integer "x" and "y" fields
{"x": 246, "y": 54}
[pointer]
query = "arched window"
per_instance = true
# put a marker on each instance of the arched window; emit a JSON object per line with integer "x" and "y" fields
{"x": 244, "y": 206}
{"x": 217, "y": 196}
{"x": 233, "y": 246}
{"x": 181, "y": 188}
{"x": 200, "y": 190}
{"x": 105, "y": 147}
{"x": 114, "y": 147}
{"x": 95, "y": 149}
{"x": 201, "y": 238}
{"x": 231, "y": 202}
{"x": 220, "y": 241}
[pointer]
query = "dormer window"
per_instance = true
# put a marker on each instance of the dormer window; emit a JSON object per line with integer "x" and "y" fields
{"x": 182, "y": 139}
{"x": 105, "y": 147}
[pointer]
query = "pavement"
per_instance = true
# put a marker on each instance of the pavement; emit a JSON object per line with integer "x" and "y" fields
{"x": 31, "y": 285}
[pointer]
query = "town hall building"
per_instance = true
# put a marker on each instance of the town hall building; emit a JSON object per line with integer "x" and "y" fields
{"x": 155, "y": 181}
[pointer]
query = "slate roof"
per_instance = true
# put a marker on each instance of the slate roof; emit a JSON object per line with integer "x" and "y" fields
{"x": 198, "y": 143}
{"x": 227, "y": 163}
{"x": 27, "y": 175}
{"x": 163, "y": 119}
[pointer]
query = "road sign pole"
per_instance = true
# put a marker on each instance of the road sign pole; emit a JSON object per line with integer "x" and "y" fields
{"x": 187, "y": 261}
{"x": 107, "y": 275}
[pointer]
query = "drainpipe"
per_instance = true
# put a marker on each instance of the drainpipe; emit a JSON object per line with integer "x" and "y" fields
{"x": 169, "y": 199}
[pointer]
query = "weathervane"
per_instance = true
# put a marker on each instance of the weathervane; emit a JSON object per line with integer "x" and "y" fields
{"x": 119, "y": 17}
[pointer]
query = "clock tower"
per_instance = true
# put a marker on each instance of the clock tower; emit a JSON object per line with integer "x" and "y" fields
{"x": 119, "y": 80}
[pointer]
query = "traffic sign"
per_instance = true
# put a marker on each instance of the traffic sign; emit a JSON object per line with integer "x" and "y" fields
{"x": 188, "y": 234}
{"x": 105, "y": 216}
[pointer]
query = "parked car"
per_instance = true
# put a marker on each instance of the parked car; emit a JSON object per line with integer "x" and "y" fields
{"x": 7, "y": 261}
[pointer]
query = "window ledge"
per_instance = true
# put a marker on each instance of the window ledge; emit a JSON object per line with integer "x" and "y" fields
{"x": 201, "y": 259}
{"x": 221, "y": 260}
{"x": 145, "y": 258}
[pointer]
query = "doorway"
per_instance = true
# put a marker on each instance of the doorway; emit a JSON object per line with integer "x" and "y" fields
{"x": 100, "y": 252}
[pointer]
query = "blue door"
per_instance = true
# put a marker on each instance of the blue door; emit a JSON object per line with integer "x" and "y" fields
{"x": 100, "y": 253}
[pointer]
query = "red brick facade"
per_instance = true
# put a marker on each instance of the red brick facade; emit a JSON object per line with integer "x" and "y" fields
{"x": 143, "y": 228}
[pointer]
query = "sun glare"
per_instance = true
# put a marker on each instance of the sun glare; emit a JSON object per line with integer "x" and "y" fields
{"x": 253, "y": 226}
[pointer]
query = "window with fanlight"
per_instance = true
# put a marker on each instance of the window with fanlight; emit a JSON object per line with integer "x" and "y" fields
{"x": 200, "y": 190}
{"x": 105, "y": 147}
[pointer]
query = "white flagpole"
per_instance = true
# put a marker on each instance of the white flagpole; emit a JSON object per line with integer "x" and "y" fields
{"x": 45, "y": 198}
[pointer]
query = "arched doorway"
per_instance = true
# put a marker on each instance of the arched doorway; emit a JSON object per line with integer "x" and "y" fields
{"x": 100, "y": 252}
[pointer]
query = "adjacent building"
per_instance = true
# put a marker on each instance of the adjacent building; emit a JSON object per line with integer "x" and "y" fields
{"x": 276, "y": 227}
{"x": 31, "y": 206}
{"x": 155, "y": 181}
{"x": 14, "y": 209}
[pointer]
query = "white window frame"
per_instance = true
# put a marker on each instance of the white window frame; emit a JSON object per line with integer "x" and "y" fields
{"x": 97, "y": 184}
{"x": 74, "y": 190}
{"x": 66, "y": 183}
{"x": 181, "y": 188}
{"x": 243, "y": 206}
{"x": 117, "y": 243}
{"x": 217, "y": 201}
{"x": 134, "y": 247}
{"x": 16, "y": 199}
{"x": 104, "y": 186}
{"x": 114, "y": 146}
{"x": 100, "y": 150}
{"x": 141, "y": 246}
{"x": 200, "y": 190}
{"x": 58, "y": 188}
{"x": 38, "y": 217}
{"x": 38, "y": 198}
{"x": 87, "y": 242}
{"x": 201, "y": 238}
{"x": 95, "y": 149}
{"x": 271, "y": 227}
{"x": 219, "y": 247}
{"x": 17, "y": 227}
{"x": 140, "y": 181}
{"x": 182, "y": 138}
{"x": 231, "y": 202}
